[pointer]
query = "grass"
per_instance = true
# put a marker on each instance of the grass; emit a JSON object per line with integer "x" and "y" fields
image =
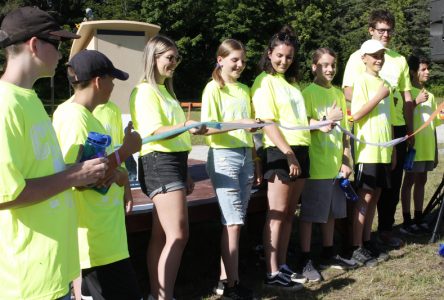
{"x": 415, "y": 271}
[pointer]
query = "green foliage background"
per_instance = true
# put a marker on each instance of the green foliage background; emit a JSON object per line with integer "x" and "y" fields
{"x": 198, "y": 26}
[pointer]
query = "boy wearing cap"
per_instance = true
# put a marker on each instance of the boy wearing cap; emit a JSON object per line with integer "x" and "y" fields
{"x": 107, "y": 272}
{"x": 371, "y": 112}
{"x": 38, "y": 244}
{"x": 381, "y": 27}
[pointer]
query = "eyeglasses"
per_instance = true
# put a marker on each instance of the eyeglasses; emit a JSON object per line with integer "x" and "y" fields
{"x": 173, "y": 58}
{"x": 53, "y": 42}
{"x": 381, "y": 31}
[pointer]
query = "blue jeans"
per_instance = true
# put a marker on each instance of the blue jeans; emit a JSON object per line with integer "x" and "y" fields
{"x": 66, "y": 297}
{"x": 231, "y": 172}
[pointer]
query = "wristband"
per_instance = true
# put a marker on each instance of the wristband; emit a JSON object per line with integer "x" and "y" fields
{"x": 257, "y": 158}
{"x": 116, "y": 154}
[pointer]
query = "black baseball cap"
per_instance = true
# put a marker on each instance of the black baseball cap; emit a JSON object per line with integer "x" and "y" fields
{"x": 88, "y": 64}
{"x": 26, "y": 22}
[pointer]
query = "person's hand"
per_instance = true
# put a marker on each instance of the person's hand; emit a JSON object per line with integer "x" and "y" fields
{"x": 422, "y": 97}
{"x": 346, "y": 170}
{"x": 198, "y": 130}
{"x": 89, "y": 172}
{"x": 189, "y": 185}
{"x": 132, "y": 142}
{"x": 293, "y": 165}
{"x": 334, "y": 113}
{"x": 251, "y": 121}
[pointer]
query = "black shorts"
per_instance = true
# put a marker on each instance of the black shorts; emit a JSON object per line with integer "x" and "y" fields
{"x": 277, "y": 163}
{"x": 162, "y": 172}
{"x": 370, "y": 176}
{"x": 116, "y": 280}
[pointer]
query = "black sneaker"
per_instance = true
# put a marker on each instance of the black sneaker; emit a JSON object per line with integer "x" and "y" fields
{"x": 363, "y": 258}
{"x": 338, "y": 262}
{"x": 237, "y": 292}
{"x": 283, "y": 282}
{"x": 293, "y": 276}
{"x": 376, "y": 252}
{"x": 219, "y": 288}
{"x": 310, "y": 272}
{"x": 411, "y": 230}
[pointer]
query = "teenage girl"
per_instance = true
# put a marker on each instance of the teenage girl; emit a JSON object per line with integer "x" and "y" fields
{"x": 163, "y": 172}
{"x": 276, "y": 98}
{"x": 230, "y": 157}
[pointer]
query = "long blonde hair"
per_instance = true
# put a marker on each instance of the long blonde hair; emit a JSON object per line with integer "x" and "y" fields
{"x": 225, "y": 48}
{"x": 157, "y": 45}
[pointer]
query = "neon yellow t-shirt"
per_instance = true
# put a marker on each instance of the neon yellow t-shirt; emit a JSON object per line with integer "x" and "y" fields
{"x": 38, "y": 243}
{"x": 376, "y": 126}
{"x": 425, "y": 143}
{"x": 395, "y": 71}
{"x": 150, "y": 111}
{"x": 276, "y": 99}
{"x": 110, "y": 117}
{"x": 232, "y": 102}
{"x": 326, "y": 149}
{"x": 101, "y": 218}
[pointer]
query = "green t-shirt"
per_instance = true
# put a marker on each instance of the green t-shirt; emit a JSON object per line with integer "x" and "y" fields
{"x": 150, "y": 111}
{"x": 232, "y": 102}
{"x": 326, "y": 149}
{"x": 110, "y": 117}
{"x": 101, "y": 218}
{"x": 38, "y": 243}
{"x": 276, "y": 99}
{"x": 425, "y": 143}
{"x": 376, "y": 126}
{"x": 395, "y": 71}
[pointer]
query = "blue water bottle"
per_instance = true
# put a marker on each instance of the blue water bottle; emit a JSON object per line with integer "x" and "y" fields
{"x": 94, "y": 147}
{"x": 409, "y": 159}
{"x": 346, "y": 186}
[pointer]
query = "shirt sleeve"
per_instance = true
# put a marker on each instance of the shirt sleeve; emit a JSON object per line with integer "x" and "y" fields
{"x": 12, "y": 150}
{"x": 210, "y": 111}
{"x": 359, "y": 97}
{"x": 147, "y": 110}
{"x": 308, "y": 103}
{"x": 352, "y": 70}
{"x": 264, "y": 101}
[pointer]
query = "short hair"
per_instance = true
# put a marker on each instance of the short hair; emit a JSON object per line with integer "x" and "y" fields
{"x": 381, "y": 15}
{"x": 287, "y": 37}
{"x": 157, "y": 45}
{"x": 415, "y": 60}
{"x": 225, "y": 48}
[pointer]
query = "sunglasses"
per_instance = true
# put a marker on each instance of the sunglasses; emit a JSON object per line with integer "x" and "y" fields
{"x": 53, "y": 42}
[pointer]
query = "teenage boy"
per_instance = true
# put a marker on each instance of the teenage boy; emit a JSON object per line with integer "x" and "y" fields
{"x": 38, "y": 244}
{"x": 395, "y": 71}
{"x": 107, "y": 272}
{"x": 370, "y": 109}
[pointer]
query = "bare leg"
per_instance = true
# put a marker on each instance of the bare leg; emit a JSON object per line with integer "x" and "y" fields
{"x": 223, "y": 273}
{"x": 230, "y": 252}
{"x": 155, "y": 247}
{"x": 406, "y": 191}
{"x": 305, "y": 235}
{"x": 328, "y": 230}
{"x": 359, "y": 216}
{"x": 418, "y": 192}
{"x": 172, "y": 213}
{"x": 369, "y": 217}
{"x": 77, "y": 287}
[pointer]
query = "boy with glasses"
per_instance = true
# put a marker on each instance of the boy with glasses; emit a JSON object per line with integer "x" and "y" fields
{"x": 396, "y": 72}
{"x": 38, "y": 246}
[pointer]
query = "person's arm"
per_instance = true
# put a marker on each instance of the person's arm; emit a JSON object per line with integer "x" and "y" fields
{"x": 348, "y": 93}
{"x": 347, "y": 162}
{"x": 39, "y": 189}
{"x": 382, "y": 93}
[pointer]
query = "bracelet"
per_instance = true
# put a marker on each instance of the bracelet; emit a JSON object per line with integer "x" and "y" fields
{"x": 116, "y": 154}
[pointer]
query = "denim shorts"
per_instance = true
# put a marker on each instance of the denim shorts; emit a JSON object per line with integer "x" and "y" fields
{"x": 231, "y": 172}
{"x": 162, "y": 172}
